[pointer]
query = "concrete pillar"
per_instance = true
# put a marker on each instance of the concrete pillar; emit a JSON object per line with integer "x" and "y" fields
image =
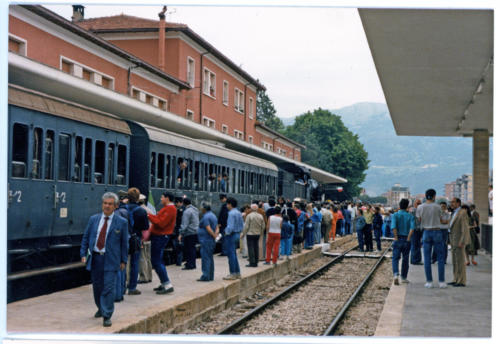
{"x": 480, "y": 173}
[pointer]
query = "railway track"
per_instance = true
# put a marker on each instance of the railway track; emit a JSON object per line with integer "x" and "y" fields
{"x": 308, "y": 306}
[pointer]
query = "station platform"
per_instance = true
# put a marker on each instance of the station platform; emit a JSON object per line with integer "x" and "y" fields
{"x": 411, "y": 310}
{"x": 72, "y": 311}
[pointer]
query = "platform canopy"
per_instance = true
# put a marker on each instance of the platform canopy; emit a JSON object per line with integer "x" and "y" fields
{"x": 435, "y": 68}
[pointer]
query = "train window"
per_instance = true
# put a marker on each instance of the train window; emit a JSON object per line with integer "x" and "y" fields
{"x": 64, "y": 158}
{"x": 181, "y": 166}
{"x": 36, "y": 169}
{"x": 111, "y": 163}
{"x": 189, "y": 174}
{"x": 99, "y": 162}
{"x": 49, "y": 155}
{"x": 251, "y": 183}
{"x": 232, "y": 181}
{"x": 87, "y": 166}
{"x": 211, "y": 178}
{"x": 267, "y": 186}
{"x": 121, "y": 174}
{"x": 77, "y": 165}
{"x": 242, "y": 182}
{"x": 196, "y": 181}
{"x": 168, "y": 175}
{"x": 152, "y": 169}
{"x": 19, "y": 150}
{"x": 161, "y": 171}
{"x": 173, "y": 171}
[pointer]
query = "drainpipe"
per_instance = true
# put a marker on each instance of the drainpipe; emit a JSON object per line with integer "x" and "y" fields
{"x": 161, "y": 39}
{"x": 245, "y": 113}
{"x": 129, "y": 88}
{"x": 201, "y": 82}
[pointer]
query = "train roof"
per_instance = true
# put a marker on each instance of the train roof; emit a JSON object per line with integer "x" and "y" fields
{"x": 38, "y": 101}
{"x": 174, "y": 139}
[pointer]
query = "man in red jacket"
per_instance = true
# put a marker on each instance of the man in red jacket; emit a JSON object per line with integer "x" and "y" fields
{"x": 162, "y": 225}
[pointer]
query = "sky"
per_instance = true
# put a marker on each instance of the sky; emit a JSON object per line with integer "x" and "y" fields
{"x": 306, "y": 57}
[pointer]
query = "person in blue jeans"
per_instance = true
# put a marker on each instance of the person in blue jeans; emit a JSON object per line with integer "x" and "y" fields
{"x": 429, "y": 215}
{"x": 377, "y": 227}
{"x": 233, "y": 229}
{"x": 286, "y": 234}
{"x": 402, "y": 225}
{"x": 416, "y": 239}
{"x": 360, "y": 224}
{"x": 207, "y": 232}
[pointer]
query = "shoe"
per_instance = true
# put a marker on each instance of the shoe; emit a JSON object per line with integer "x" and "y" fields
{"x": 231, "y": 277}
{"x": 119, "y": 300}
{"x": 248, "y": 265}
{"x": 419, "y": 263}
{"x": 160, "y": 287}
{"x": 106, "y": 322}
{"x": 451, "y": 283}
{"x": 396, "y": 280}
{"x": 134, "y": 292}
{"x": 468, "y": 263}
{"x": 163, "y": 290}
{"x": 185, "y": 268}
{"x": 404, "y": 280}
{"x": 98, "y": 314}
{"x": 202, "y": 280}
{"x": 459, "y": 285}
{"x": 442, "y": 285}
{"x": 474, "y": 262}
{"x": 275, "y": 264}
{"x": 428, "y": 285}
{"x": 267, "y": 263}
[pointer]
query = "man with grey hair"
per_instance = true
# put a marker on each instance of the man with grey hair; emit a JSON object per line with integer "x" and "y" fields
{"x": 105, "y": 249}
{"x": 253, "y": 229}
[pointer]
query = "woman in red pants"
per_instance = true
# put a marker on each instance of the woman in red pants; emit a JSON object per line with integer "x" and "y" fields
{"x": 274, "y": 236}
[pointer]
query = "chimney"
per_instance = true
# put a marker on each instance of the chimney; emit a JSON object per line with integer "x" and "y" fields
{"x": 161, "y": 39}
{"x": 78, "y": 13}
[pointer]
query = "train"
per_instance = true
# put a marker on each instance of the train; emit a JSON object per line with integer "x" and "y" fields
{"x": 63, "y": 156}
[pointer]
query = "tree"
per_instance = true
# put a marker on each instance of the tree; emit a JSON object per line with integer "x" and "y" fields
{"x": 266, "y": 113}
{"x": 373, "y": 200}
{"x": 331, "y": 147}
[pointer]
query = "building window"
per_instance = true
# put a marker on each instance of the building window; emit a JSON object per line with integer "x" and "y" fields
{"x": 17, "y": 45}
{"x": 190, "y": 115}
{"x": 190, "y": 71}
{"x": 149, "y": 98}
{"x": 250, "y": 108}
{"x": 238, "y": 134}
{"x": 208, "y": 122}
{"x": 239, "y": 100}
{"x": 281, "y": 151}
{"x": 267, "y": 146}
{"x": 250, "y": 139}
{"x": 225, "y": 93}
{"x": 224, "y": 129}
{"x": 86, "y": 73}
{"x": 209, "y": 83}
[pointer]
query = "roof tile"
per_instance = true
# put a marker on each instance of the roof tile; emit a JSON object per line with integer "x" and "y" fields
{"x": 123, "y": 21}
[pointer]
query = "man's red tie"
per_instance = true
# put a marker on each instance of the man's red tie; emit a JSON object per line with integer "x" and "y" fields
{"x": 102, "y": 235}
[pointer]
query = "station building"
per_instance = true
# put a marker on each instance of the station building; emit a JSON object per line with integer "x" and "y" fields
{"x": 160, "y": 73}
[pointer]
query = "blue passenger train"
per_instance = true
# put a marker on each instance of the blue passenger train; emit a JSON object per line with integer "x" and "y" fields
{"x": 63, "y": 156}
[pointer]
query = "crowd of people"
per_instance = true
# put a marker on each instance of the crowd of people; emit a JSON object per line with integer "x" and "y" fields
{"x": 123, "y": 244}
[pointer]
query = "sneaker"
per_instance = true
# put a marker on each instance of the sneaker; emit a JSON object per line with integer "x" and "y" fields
{"x": 160, "y": 287}
{"x": 404, "y": 280}
{"x": 231, "y": 277}
{"x": 442, "y": 285}
{"x": 428, "y": 285}
{"x": 134, "y": 292}
{"x": 165, "y": 290}
{"x": 396, "y": 280}
{"x": 267, "y": 263}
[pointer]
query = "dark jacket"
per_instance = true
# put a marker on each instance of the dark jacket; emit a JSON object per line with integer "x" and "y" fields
{"x": 139, "y": 216}
{"x": 222, "y": 221}
{"x": 377, "y": 221}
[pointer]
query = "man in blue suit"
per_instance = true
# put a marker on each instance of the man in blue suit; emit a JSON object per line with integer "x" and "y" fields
{"x": 104, "y": 250}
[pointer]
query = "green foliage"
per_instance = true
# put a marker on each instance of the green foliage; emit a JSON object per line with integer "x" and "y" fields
{"x": 331, "y": 147}
{"x": 266, "y": 113}
{"x": 373, "y": 200}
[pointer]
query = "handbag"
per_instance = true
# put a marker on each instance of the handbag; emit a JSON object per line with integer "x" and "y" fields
{"x": 146, "y": 235}
{"x": 134, "y": 244}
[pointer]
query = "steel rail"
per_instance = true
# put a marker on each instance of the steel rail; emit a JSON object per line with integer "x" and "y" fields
{"x": 247, "y": 316}
{"x": 43, "y": 271}
{"x": 340, "y": 315}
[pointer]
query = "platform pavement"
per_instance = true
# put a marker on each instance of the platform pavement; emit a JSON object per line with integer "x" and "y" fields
{"x": 413, "y": 310}
{"x": 72, "y": 311}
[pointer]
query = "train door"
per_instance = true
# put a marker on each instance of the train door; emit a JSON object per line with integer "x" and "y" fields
{"x": 30, "y": 212}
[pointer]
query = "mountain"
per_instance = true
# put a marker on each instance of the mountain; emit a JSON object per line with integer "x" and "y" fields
{"x": 420, "y": 162}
